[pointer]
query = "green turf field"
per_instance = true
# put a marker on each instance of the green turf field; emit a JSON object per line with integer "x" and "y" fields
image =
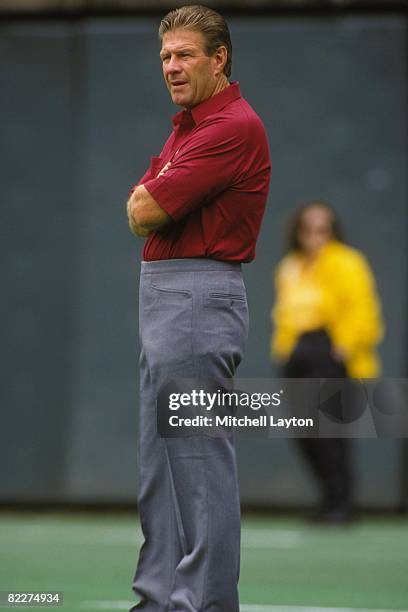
{"x": 286, "y": 565}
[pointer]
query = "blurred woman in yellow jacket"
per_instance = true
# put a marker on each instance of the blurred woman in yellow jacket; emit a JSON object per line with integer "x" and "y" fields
{"x": 327, "y": 323}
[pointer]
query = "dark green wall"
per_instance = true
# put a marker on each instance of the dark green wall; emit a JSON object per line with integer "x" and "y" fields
{"x": 83, "y": 108}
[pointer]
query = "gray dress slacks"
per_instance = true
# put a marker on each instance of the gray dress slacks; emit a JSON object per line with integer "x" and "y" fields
{"x": 193, "y": 323}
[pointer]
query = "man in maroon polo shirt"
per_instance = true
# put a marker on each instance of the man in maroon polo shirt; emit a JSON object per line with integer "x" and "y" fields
{"x": 200, "y": 205}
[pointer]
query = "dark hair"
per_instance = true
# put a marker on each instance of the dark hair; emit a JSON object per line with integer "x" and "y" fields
{"x": 201, "y": 19}
{"x": 296, "y": 221}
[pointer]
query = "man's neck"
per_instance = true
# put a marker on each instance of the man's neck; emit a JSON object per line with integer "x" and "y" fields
{"x": 223, "y": 83}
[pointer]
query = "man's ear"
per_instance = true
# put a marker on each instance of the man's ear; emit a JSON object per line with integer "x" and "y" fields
{"x": 220, "y": 56}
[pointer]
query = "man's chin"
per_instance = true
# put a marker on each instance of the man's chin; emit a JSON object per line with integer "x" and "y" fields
{"x": 180, "y": 100}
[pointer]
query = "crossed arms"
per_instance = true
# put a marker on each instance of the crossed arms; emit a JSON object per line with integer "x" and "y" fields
{"x": 144, "y": 213}
{"x": 208, "y": 164}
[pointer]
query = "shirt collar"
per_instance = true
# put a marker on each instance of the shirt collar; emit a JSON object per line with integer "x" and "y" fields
{"x": 211, "y": 105}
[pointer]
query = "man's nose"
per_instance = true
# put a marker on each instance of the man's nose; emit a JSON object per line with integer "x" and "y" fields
{"x": 172, "y": 66}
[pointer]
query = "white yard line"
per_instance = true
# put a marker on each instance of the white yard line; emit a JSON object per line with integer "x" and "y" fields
{"x": 125, "y": 605}
{"x": 106, "y": 605}
{"x": 250, "y": 538}
{"x": 267, "y": 608}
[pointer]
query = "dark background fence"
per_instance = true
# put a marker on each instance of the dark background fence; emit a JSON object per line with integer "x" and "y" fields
{"x": 83, "y": 107}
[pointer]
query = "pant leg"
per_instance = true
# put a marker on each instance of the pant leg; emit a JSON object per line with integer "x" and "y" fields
{"x": 335, "y": 472}
{"x": 330, "y": 461}
{"x": 329, "y": 458}
{"x": 161, "y": 549}
{"x": 188, "y": 498}
{"x": 165, "y": 322}
{"x": 205, "y": 471}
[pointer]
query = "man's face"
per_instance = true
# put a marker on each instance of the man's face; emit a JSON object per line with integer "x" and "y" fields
{"x": 190, "y": 74}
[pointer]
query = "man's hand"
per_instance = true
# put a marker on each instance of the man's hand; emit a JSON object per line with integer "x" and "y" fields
{"x": 164, "y": 169}
{"x": 144, "y": 214}
{"x": 134, "y": 228}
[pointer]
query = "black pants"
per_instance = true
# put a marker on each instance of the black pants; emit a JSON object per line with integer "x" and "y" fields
{"x": 329, "y": 458}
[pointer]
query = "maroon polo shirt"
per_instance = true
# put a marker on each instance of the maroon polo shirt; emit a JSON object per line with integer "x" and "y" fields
{"x": 216, "y": 187}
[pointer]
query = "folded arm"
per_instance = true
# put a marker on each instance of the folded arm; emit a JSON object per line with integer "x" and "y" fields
{"x": 144, "y": 213}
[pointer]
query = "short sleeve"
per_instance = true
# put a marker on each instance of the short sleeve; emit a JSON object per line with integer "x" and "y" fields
{"x": 210, "y": 162}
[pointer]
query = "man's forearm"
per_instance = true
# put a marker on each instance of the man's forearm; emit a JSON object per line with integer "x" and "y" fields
{"x": 138, "y": 230}
{"x": 144, "y": 214}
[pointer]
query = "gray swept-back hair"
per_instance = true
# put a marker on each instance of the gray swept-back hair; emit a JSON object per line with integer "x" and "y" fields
{"x": 205, "y": 20}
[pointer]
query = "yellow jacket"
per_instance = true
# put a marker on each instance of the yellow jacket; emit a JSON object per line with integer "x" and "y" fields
{"x": 337, "y": 291}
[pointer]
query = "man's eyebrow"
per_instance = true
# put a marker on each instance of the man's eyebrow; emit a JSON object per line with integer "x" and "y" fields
{"x": 179, "y": 50}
